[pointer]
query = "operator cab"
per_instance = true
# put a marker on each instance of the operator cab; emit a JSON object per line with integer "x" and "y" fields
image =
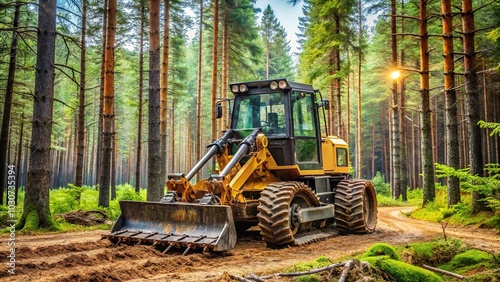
{"x": 287, "y": 113}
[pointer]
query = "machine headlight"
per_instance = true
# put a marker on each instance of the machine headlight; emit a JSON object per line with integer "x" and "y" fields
{"x": 234, "y": 88}
{"x": 274, "y": 85}
{"x": 243, "y": 88}
{"x": 282, "y": 84}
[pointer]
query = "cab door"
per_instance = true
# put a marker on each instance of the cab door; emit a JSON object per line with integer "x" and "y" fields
{"x": 305, "y": 131}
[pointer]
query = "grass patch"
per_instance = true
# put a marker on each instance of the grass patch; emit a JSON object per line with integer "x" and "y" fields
{"x": 322, "y": 261}
{"x": 432, "y": 253}
{"x": 459, "y": 214}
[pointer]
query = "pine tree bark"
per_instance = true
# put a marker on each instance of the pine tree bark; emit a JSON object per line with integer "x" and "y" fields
{"x": 225, "y": 72}
{"x": 101, "y": 92}
{"x": 155, "y": 187}
{"x": 452, "y": 153}
{"x": 473, "y": 104}
{"x": 114, "y": 156}
{"x": 403, "y": 160}
{"x": 139, "y": 112}
{"x": 199, "y": 89}
{"x": 396, "y": 150}
{"x": 9, "y": 93}
{"x": 359, "y": 147}
{"x": 81, "y": 105}
{"x": 164, "y": 91}
{"x": 215, "y": 60}
{"x": 36, "y": 203}
{"x": 427, "y": 157}
{"x": 331, "y": 93}
{"x": 108, "y": 113}
{"x": 338, "y": 84}
{"x": 173, "y": 154}
{"x": 19, "y": 153}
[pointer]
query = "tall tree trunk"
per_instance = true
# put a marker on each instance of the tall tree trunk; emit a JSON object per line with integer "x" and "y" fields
{"x": 215, "y": 60}
{"x": 155, "y": 187}
{"x": 199, "y": 90}
{"x": 164, "y": 91}
{"x": 128, "y": 176}
{"x": 7, "y": 108}
{"x": 114, "y": 156}
{"x": 359, "y": 147}
{"x": 396, "y": 161}
{"x": 101, "y": 92}
{"x": 81, "y": 106}
{"x": 108, "y": 113}
{"x": 427, "y": 157}
{"x": 172, "y": 139}
{"x": 473, "y": 105}
{"x": 452, "y": 154}
{"x": 18, "y": 161}
{"x": 67, "y": 165}
{"x": 61, "y": 167}
{"x": 487, "y": 146}
{"x": 225, "y": 72}
{"x": 338, "y": 84}
{"x": 403, "y": 165}
{"x": 139, "y": 119}
{"x": 385, "y": 150}
{"x": 36, "y": 202}
{"x": 331, "y": 93}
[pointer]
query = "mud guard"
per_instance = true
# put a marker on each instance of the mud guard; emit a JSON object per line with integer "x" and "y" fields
{"x": 176, "y": 225}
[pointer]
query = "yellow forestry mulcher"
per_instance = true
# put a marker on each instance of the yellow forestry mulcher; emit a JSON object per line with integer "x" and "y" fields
{"x": 279, "y": 169}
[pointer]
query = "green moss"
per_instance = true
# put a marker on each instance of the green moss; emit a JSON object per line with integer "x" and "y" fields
{"x": 381, "y": 249}
{"x": 32, "y": 220}
{"x": 401, "y": 271}
{"x": 433, "y": 253}
{"x": 468, "y": 260}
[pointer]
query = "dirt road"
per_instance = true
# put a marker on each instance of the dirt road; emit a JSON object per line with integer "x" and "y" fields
{"x": 83, "y": 256}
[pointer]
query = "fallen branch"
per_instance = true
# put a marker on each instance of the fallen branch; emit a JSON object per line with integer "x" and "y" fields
{"x": 316, "y": 270}
{"x": 254, "y": 277}
{"x": 442, "y": 271}
{"x": 345, "y": 272}
{"x": 239, "y": 278}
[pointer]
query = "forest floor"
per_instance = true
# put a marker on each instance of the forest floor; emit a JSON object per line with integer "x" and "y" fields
{"x": 83, "y": 256}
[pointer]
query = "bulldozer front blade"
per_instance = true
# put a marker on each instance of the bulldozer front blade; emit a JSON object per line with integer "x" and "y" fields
{"x": 175, "y": 225}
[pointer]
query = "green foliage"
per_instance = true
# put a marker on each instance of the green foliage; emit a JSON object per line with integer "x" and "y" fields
{"x": 65, "y": 199}
{"x": 415, "y": 194}
{"x": 495, "y": 127}
{"x": 384, "y": 201}
{"x": 381, "y": 187}
{"x": 487, "y": 185}
{"x": 322, "y": 261}
{"x": 381, "y": 249}
{"x": 401, "y": 271}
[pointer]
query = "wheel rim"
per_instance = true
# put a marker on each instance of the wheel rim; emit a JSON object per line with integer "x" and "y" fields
{"x": 299, "y": 201}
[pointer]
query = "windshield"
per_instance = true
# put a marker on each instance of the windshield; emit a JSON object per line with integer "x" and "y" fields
{"x": 263, "y": 110}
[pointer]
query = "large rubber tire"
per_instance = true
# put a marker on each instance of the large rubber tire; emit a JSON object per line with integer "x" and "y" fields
{"x": 355, "y": 207}
{"x": 277, "y": 215}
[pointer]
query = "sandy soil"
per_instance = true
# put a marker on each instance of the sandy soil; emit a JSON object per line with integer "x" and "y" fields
{"x": 83, "y": 256}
